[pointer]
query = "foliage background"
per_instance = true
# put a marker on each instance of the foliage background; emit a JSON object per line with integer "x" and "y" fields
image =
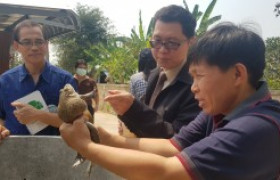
{"x": 101, "y": 47}
{"x": 71, "y": 47}
{"x": 272, "y": 71}
{"x": 104, "y": 50}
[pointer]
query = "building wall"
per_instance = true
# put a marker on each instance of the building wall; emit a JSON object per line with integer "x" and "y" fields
{"x": 5, "y": 42}
{"x": 44, "y": 158}
{"x": 275, "y": 94}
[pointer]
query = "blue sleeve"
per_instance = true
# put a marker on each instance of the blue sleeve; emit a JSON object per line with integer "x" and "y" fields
{"x": 73, "y": 83}
{"x": 2, "y": 113}
{"x": 69, "y": 79}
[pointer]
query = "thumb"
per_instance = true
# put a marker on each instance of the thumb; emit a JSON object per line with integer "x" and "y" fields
{"x": 18, "y": 105}
{"x": 102, "y": 131}
{"x": 79, "y": 122}
{"x": 4, "y": 132}
{"x": 111, "y": 92}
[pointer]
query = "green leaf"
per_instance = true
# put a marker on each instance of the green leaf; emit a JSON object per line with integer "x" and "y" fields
{"x": 36, "y": 104}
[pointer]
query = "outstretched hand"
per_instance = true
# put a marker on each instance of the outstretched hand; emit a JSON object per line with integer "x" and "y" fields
{"x": 120, "y": 101}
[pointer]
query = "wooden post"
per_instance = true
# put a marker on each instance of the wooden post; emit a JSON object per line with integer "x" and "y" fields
{"x": 5, "y": 43}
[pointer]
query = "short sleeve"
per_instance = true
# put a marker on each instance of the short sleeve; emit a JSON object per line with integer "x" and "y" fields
{"x": 240, "y": 150}
{"x": 193, "y": 132}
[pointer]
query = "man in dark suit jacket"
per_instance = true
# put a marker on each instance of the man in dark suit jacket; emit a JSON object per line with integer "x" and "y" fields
{"x": 164, "y": 114}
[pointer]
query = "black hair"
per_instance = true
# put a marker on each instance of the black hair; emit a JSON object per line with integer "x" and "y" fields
{"x": 80, "y": 62}
{"x": 146, "y": 62}
{"x": 226, "y": 45}
{"x": 174, "y": 13}
{"x": 26, "y": 23}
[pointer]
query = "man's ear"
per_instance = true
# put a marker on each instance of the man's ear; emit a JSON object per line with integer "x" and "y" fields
{"x": 47, "y": 44}
{"x": 192, "y": 40}
{"x": 240, "y": 73}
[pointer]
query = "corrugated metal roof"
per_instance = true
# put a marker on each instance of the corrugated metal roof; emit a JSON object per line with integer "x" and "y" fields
{"x": 55, "y": 21}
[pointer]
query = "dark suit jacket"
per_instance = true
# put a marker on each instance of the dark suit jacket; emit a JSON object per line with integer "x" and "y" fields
{"x": 174, "y": 107}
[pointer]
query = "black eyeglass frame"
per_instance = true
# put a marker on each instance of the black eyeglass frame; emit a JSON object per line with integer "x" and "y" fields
{"x": 170, "y": 45}
{"x": 30, "y": 44}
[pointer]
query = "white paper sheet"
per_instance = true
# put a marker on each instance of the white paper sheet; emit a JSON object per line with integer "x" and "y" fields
{"x": 36, "y": 100}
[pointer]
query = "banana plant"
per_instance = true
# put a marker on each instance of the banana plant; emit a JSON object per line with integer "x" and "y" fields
{"x": 206, "y": 20}
{"x": 116, "y": 58}
{"x": 141, "y": 39}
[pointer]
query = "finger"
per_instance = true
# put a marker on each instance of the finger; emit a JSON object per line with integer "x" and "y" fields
{"x": 79, "y": 122}
{"x": 18, "y": 105}
{"x": 113, "y": 97}
{"x": 111, "y": 92}
{"x": 5, "y": 133}
{"x": 64, "y": 126}
{"x": 17, "y": 114}
{"x": 109, "y": 98}
{"x": 101, "y": 130}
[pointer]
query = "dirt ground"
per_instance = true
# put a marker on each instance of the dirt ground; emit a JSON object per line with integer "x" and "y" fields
{"x": 107, "y": 121}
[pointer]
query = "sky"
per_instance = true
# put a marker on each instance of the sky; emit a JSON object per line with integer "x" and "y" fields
{"x": 124, "y": 14}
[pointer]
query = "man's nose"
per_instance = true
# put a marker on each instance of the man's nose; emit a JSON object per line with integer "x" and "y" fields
{"x": 194, "y": 87}
{"x": 163, "y": 48}
{"x": 34, "y": 46}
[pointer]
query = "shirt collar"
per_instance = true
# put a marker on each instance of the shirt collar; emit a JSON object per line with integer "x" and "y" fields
{"x": 262, "y": 94}
{"x": 171, "y": 74}
{"x": 46, "y": 74}
{"x": 23, "y": 73}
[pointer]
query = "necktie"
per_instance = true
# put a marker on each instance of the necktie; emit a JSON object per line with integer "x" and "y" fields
{"x": 158, "y": 88}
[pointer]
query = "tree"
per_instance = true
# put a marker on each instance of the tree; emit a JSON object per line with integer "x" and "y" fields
{"x": 71, "y": 46}
{"x": 206, "y": 21}
{"x": 119, "y": 55}
{"x": 116, "y": 58}
{"x": 272, "y": 71}
{"x": 277, "y": 9}
{"x": 15, "y": 58}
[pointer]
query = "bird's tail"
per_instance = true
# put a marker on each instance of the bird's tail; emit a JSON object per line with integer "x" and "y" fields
{"x": 78, "y": 160}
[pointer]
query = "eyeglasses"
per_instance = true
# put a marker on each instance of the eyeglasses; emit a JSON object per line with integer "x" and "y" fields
{"x": 170, "y": 45}
{"x": 30, "y": 44}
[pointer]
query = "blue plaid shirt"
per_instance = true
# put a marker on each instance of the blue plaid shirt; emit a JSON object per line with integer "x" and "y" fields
{"x": 138, "y": 85}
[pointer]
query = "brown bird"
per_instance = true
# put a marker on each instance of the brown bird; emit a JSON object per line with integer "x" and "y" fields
{"x": 71, "y": 107}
